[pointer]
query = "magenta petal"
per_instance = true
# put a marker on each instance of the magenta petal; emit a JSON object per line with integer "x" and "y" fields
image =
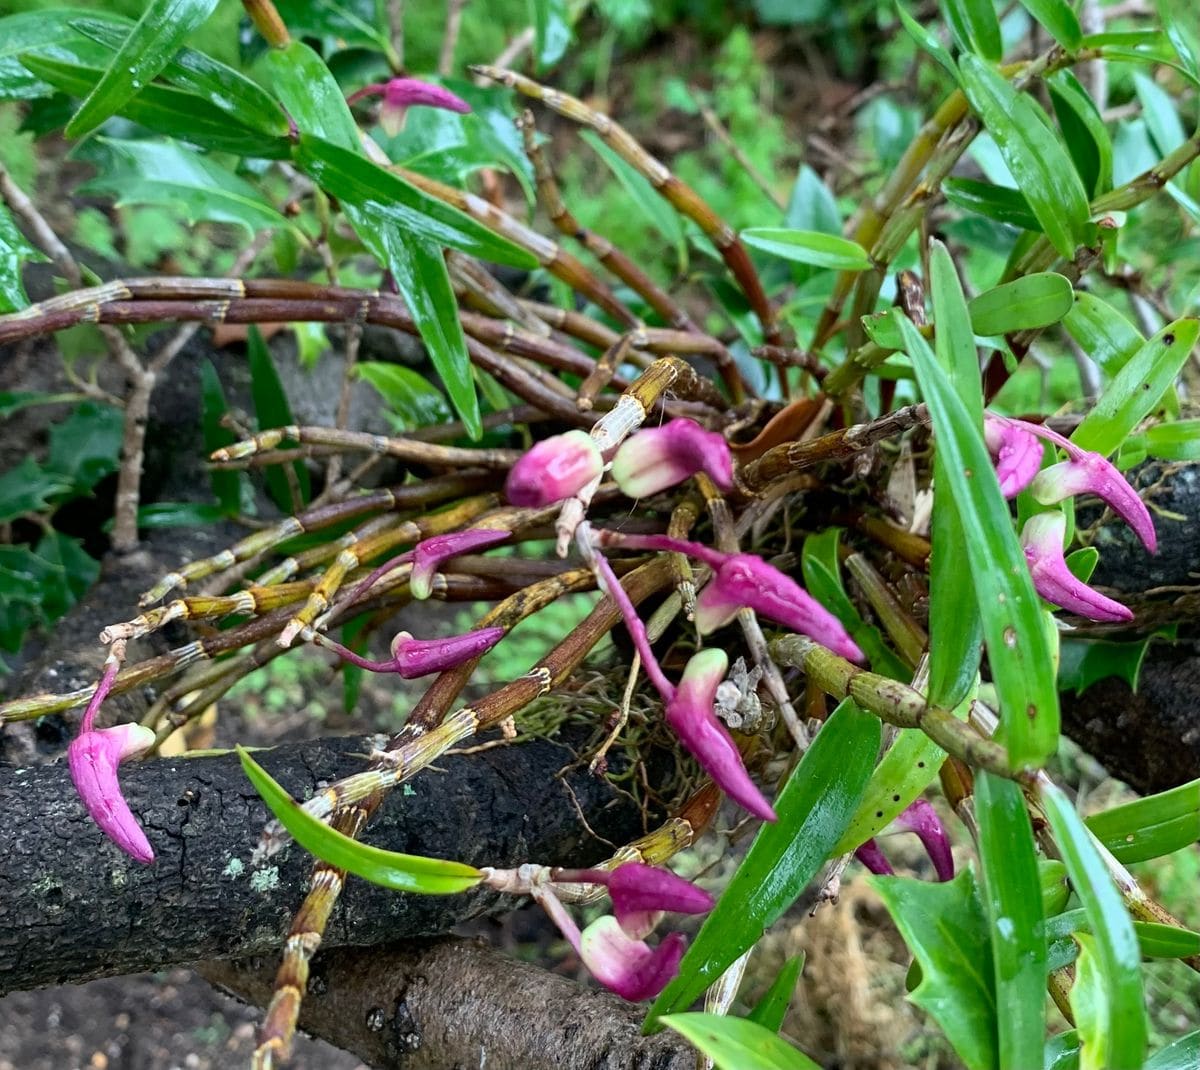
{"x": 1016, "y": 451}
{"x": 554, "y": 469}
{"x": 690, "y": 714}
{"x": 660, "y": 457}
{"x": 420, "y": 657}
{"x": 922, "y": 819}
{"x": 1042, "y": 541}
{"x": 428, "y": 555}
{"x": 93, "y": 758}
{"x": 1089, "y": 473}
{"x": 641, "y": 893}
{"x": 874, "y": 859}
{"x": 630, "y": 968}
{"x": 406, "y": 92}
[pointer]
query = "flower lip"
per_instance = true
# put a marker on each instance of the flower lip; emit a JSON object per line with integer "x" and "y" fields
{"x": 92, "y": 758}
{"x": 1016, "y": 451}
{"x": 922, "y": 819}
{"x": 554, "y": 469}
{"x": 428, "y": 555}
{"x": 869, "y": 854}
{"x": 1090, "y": 473}
{"x": 641, "y": 894}
{"x": 1042, "y": 542}
{"x": 631, "y": 968}
{"x": 660, "y": 457}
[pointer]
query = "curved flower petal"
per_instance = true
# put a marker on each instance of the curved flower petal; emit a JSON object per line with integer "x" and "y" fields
{"x": 1016, "y": 451}
{"x": 631, "y": 968}
{"x": 428, "y": 555}
{"x": 690, "y": 714}
{"x": 922, "y": 819}
{"x": 869, "y": 854}
{"x": 1090, "y": 473}
{"x": 660, "y": 457}
{"x": 641, "y": 894}
{"x": 420, "y": 657}
{"x": 1042, "y": 541}
{"x": 93, "y": 758}
{"x": 554, "y": 469}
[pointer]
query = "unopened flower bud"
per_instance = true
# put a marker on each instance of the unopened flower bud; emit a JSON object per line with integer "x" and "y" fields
{"x": 554, "y": 469}
{"x": 420, "y": 657}
{"x": 660, "y": 457}
{"x": 400, "y": 94}
{"x": 1088, "y": 472}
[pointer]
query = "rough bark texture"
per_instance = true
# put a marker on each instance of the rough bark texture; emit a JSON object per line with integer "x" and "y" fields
{"x": 75, "y": 907}
{"x": 446, "y": 1004}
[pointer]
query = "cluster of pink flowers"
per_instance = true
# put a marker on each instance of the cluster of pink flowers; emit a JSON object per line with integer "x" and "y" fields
{"x": 1017, "y": 454}
{"x": 614, "y": 947}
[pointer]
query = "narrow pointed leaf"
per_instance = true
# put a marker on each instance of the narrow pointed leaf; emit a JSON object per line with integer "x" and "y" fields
{"x": 1058, "y": 19}
{"x": 1029, "y": 302}
{"x": 1118, "y": 957}
{"x": 1137, "y": 388}
{"x": 311, "y": 95}
{"x": 1156, "y": 941}
{"x": 1091, "y": 1009}
{"x": 1018, "y": 650}
{"x": 1039, "y": 163}
{"x": 814, "y": 808}
{"x": 148, "y": 48}
{"x": 944, "y": 926}
{"x": 975, "y": 26}
{"x": 1102, "y": 332}
{"x": 1183, "y": 1054}
{"x": 1013, "y": 899}
{"x": 1151, "y": 827}
{"x": 1001, "y": 203}
{"x": 771, "y": 1010}
{"x": 738, "y": 1043}
{"x": 1087, "y": 137}
{"x": 404, "y": 873}
{"x": 271, "y": 409}
{"x": 809, "y": 247}
{"x": 927, "y": 39}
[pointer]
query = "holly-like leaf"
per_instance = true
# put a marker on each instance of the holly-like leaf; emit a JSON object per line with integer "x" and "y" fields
{"x": 86, "y": 446}
{"x": 15, "y": 252}
{"x": 413, "y": 402}
{"x": 28, "y": 488}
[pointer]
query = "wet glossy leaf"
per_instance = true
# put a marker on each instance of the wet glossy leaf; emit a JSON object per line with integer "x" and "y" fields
{"x": 413, "y": 401}
{"x": 927, "y": 39}
{"x": 148, "y": 48}
{"x": 404, "y": 873}
{"x": 1087, "y": 137}
{"x": 1092, "y": 1010}
{"x": 771, "y": 1010}
{"x": 164, "y": 172}
{"x": 349, "y": 22}
{"x": 1150, "y": 827}
{"x": 551, "y": 31}
{"x": 809, "y": 247}
{"x": 222, "y": 86}
{"x": 738, "y": 1043}
{"x": 1013, "y": 900}
{"x": 1059, "y": 20}
{"x": 15, "y": 252}
{"x": 1028, "y": 302}
{"x": 1137, "y": 388}
{"x": 1018, "y": 650}
{"x": 1062, "y": 1052}
{"x": 166, "y": 110}
{"x": 975, "y": 27}
{"x": 311, "y": 95}
{"x": 1000, "y": 203}
{"x": 1183, "y": 1054}
{"x": 1102, "y": 332}
{"x": 48, "y": 33}
{"x": 1042, "y": 169}
{"x": 944, "y": 926}
{"x": 814, "y": 808}
{"x": 1118, "y": 957}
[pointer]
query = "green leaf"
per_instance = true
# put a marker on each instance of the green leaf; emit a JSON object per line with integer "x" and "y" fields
{"x": 390, "y": 202}
{"x": 809, "y": 247}
{"x": 1028, "y": 302}
{"x": 1183, "y": 1054}
{"x": 551, "y": 31}
{"x": 12, "y": 401}
{"x": 1176, "y": 441}
{"x": 167, "y": 111}
{"x": 738, "y": 1043}
{"x": 1042, "y": 169}
{"x": 1155, "y": 941}
{"x": 1158, "y": 109}
{"x": 226, "y": 485}
{"x": 404, "y": 873}
{"x": 15, "y": 250}
{"x": 1117, "y": 957}
{"x": 770, "y": 1011}
{"x": 1081, "y": 662}
{"x": 1102, "y": 332}
{"x": 811, "y": 205}
{"x": 271, "y": 409}
{"x": 1062, "y": 1052}
{"x": 944, "y": 927}
{"x": 163, "y": 172}
{"x": 73, "y": 571}
{"x": 222, "y": 86}
{"x": 955, "y": 627}
{"x": 412, "y": 400}
{"x": 48, "y": 33}
{"x": 975, "y": 27}
{"x": 1151, "y": 827}
{"x": 926, "y": 39}
{"x": 1137, "y": 388}
{"x": 1000, "y": 203}
{"x": 1013, "y": 897}
{"x": 28, "y": 488}
{"x": 311, "y": 95}
{"x": 86, "y": 446}
{"x": 1092, "y": 1011}
{"x": 814, "y": 808}
{"x": 178, "y": 515}
{"x": 349, "y": 22}
{"x": 1181, "y": 32}
{"x": 150, "y": 45}
{"x": 1017, "y": 644}
{"x": 1060, "y": 21}
{"x": 1084, "y": 131}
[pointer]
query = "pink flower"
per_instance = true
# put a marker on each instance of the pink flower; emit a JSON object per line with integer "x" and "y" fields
{"x": 1088, "y": 472}
{"x": 412, "y": 658}
{"x": 400, "y": 94}
{"x": 93, "y": 758}
{"x": 428, "y": 555}
{"x": 1042, "y": 540}
{"x": 690, "y": 714}
{"x": 922, "y": 819}
{"x": 641, "y": 894}
{"x": 1016, "y": 451}
{"x": 874, "y": 859}
{"x": 660, "y": 457}
{"x": 630, "y": 968}
{"x": 554, "y": 469}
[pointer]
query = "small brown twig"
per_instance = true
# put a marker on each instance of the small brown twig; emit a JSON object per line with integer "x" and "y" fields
{"x": 454, "y": 10}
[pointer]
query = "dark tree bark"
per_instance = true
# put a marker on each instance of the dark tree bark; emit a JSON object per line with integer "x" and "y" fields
{"x": 433, "y": 1005}
{"x": 74, "y": 907}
